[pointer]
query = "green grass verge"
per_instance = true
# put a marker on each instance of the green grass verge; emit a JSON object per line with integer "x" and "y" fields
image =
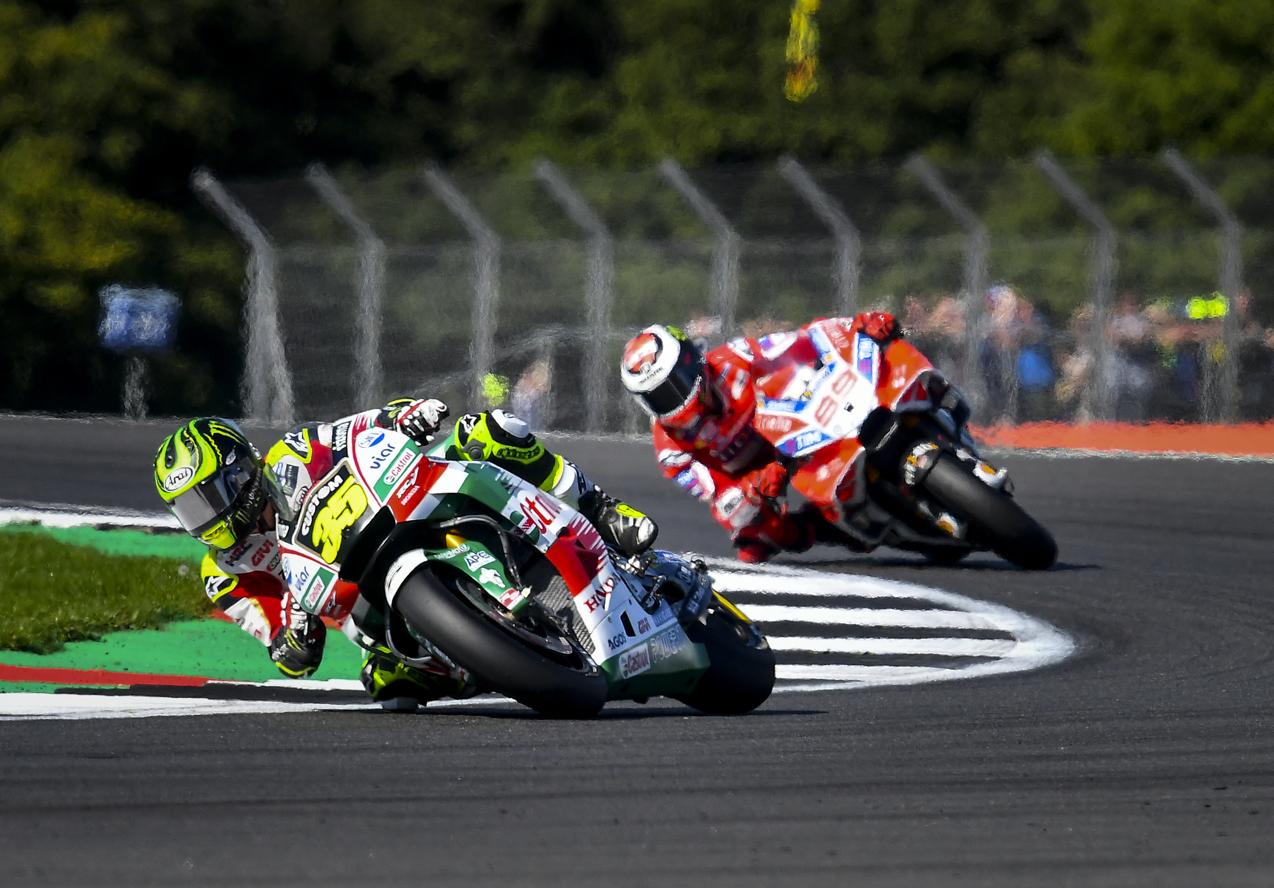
{"x": 52, "y": 591}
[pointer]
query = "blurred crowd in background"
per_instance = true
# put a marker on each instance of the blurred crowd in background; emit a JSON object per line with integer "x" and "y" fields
{"x": 1163, "y": 355}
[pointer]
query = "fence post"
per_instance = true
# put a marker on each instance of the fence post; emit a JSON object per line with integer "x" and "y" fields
{"x": 267, "y": 384}
{"x": 598, "y": 286}
{"x": 486, "y": 283}
{"x": 1224, "y": 403}
{"x": 977, "y": 247}
{"x": 849, "y": 244}
{"x": 1097, "y": 400}
{"x": 370, "y": 282}
{"x": 725, "y": 256}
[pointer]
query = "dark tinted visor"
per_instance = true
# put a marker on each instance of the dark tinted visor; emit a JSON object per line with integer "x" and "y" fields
{"x": 681, "y": 385}
{"x": 212, "y": 500}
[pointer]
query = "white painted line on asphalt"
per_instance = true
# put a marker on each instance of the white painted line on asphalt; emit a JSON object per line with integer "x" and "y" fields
{"x": 26, "y": 706}
{"x": 858, "y": 674}
{"x": 936, "y": 647}
{"x": 1034, "y": 645}
{"x": 779, "y": 580}
{"x": 66, "y": 515}
{"x": 866, "y": 616}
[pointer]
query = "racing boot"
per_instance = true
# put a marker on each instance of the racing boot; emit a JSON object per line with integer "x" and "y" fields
{"x": 401, "y": 688}
{"x": 620, "y": 525}
{"x": 504, "y": 439}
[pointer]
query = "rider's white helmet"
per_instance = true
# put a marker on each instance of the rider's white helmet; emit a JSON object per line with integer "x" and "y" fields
{"x": 663, "y": 369}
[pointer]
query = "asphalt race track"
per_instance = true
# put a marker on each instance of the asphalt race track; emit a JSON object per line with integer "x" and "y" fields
{"x": 1145, "y": 759}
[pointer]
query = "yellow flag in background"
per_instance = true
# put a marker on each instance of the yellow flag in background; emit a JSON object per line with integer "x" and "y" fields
{"x": 802, "y": 52}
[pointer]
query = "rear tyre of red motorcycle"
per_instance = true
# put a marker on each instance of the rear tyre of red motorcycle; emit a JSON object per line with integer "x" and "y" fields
{"x": 995, "y": 519}
{"x": 497, "y": 658}
{"x": 741, "y": 675}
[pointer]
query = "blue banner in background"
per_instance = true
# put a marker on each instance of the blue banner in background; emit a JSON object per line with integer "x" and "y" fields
{"x": 137, "y": 319}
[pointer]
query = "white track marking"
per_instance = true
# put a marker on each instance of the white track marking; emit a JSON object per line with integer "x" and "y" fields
{"x": 865, "y": 616}
{"x": 1034, "y": 644}
{"x": 63, "y": 515}
{"x": 780, "y": 580}
{"x": 30, "y": 707}
{"x": 78, "y": 706}
{"x": 939, "y": 647}
{"x": 873, "y": 674}
{"x": 1031, "y": 643}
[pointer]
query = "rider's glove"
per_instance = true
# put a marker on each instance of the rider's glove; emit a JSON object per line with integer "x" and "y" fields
{"x": 419, "y": 420}
{"x": 768, "y": 483}
{"x": 297, "y": 649}
{"x": 879, "y": 325}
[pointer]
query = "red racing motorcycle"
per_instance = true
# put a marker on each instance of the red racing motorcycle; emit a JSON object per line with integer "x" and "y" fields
{"x": 876, "y": 441}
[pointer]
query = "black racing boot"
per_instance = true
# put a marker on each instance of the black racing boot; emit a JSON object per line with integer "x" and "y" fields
{"x": 621, "y": 526}
{"x": 402, "y": 688}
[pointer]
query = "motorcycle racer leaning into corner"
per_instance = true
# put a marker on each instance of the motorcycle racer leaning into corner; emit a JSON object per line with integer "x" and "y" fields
{"x": 226, "y": 496}
{"x": 702, "y": 409}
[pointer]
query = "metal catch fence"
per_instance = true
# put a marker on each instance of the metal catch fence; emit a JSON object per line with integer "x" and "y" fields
{"x": 1129, "y": 290}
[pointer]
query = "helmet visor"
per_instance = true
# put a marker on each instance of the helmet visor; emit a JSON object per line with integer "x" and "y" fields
{"x": 213, "y": 499}
{"x": 679, "y": 388}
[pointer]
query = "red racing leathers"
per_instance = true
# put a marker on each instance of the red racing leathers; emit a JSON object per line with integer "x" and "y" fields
{"x": 726, "y": 462}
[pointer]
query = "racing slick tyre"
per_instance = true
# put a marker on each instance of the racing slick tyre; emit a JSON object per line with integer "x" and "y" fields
{"x": 995, "y": 519}
{"x": 741, "y": 675}
{"x": 539, "y": 666}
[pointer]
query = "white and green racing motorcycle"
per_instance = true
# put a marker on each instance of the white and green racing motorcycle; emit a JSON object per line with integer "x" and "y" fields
{"x": 466, "y": 563}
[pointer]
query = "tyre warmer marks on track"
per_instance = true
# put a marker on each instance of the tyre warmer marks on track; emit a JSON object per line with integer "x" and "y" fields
{"x": 829, "y": 631}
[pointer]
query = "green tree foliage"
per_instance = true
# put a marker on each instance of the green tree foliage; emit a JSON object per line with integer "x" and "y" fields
{"x": 106, "y": 106}
{"x": 1196, "y": 73}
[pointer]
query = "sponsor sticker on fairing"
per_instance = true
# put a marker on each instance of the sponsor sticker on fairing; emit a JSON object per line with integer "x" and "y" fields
{"x": 615, "y": 642}
{"x": 475, "y": 560}
{"x": 866, "y": 357}
{"x": 510, "y": 597}
{"x": 382, "y": 456}
{"x": 491, "y": 578}
{"x": 395, "y": 471}
{"x": 665, "y": 645}
{"x": 634, "y": 662}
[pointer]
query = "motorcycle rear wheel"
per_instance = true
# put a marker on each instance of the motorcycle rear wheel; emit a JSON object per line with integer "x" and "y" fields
{"x": 994, "y": 518}
{"x": 741, "y": 675}
{"x": 479, "y": 640}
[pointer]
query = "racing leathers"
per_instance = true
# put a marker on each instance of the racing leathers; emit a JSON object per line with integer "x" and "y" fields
{"x": 725, "y": 462}
{"x": 248, "y": 584}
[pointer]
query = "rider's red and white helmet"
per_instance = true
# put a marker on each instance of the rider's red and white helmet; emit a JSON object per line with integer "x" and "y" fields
{"x": 663, "y": 369}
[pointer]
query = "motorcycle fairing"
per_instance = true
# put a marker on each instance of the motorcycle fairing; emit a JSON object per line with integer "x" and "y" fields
{"x": 813, "y": 412}
{"x": 631, "y": 641}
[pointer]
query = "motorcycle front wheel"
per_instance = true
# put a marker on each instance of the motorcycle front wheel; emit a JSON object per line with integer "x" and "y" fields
{"x": 740, "y": 676}
{"x": 537, "y": 666}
